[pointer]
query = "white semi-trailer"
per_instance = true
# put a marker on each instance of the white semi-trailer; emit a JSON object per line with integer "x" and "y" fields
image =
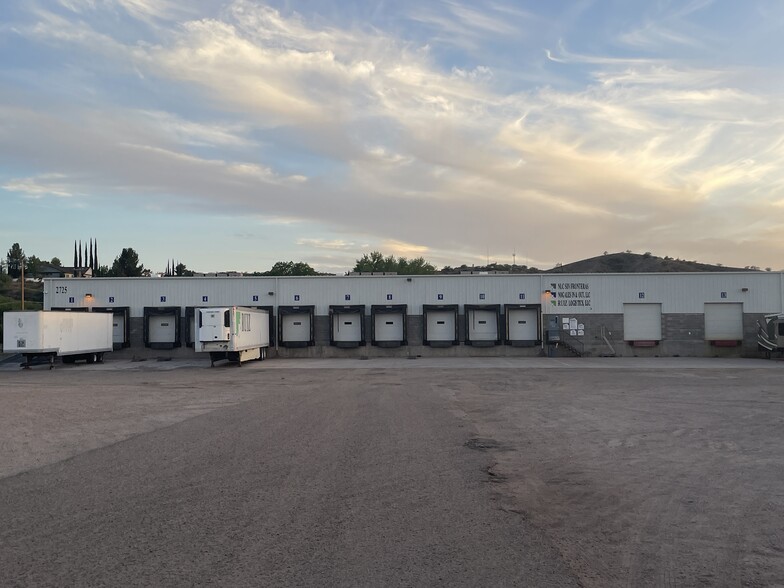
{"x": 234, "y": 333}
{"x": 71, "y": 336}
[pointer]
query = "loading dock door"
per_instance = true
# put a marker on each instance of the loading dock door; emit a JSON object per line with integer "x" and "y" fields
{"x": 347, "y": 327}
{"x": 295, "y": 327}
{"x": 642, "y": 322}
{"x": 162, "y": 328}
{"x": 521, "y": 324}
{"x": 120, "y": 326}
{"x": 482, "y": 325}
{"x": 389, "y": 325}
{"x": 192, "y": 327}
{"x": 723, "y": 321}
{"x": 118, "y": 330}
{"x": 441, "y": 325}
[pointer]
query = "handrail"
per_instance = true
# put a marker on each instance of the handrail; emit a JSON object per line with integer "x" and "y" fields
{"x": 606, "y": 340}
{"x": 573, "y": 342}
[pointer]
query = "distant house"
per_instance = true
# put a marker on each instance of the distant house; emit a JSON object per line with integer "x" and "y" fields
{"x": 47, "y": 270}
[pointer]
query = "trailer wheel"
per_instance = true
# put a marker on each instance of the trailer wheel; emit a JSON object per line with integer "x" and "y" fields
{"x": 92, "y": 358}
{"x": 100, "y": 358}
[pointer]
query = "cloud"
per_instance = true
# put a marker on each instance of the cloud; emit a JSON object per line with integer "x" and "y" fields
{"x": 329, "y": 244}
{"x": 188, "y": 132}
{"x": 40, "y": 186}
{"x": 403, "y": 249}
{"x": 361, "y": 133}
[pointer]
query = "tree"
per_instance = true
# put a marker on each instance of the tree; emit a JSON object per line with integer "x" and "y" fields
{"x": 56, "y": 262}
{"x": 103, "y": 271}
{"x": 376, "y": 262}
{"x": 126, "y": 265}
{"x": 181, "y": 270}
{"x": 415, "y": 267}
{"x": 14, "y": 258}
{"x": 290, "y": 268}
{"x": 33, "y": 265}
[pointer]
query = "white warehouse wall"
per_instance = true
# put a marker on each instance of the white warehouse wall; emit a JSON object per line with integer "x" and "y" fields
{"x": 759, "y": 292}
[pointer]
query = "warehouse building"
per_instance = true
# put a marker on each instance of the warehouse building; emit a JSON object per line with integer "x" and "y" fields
{"x": 667, "y": 314}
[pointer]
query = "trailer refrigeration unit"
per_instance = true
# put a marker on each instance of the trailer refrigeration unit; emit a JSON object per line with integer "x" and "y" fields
{"x": 233, "y": 333}
{"x": 71, "y": 336}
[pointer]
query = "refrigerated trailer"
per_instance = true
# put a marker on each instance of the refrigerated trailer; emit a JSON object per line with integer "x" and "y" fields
{"x": 233, "y": 333}
{"x": 71, "y": 336}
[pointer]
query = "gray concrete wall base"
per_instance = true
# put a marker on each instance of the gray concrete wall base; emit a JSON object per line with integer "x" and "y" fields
{"x": 682, "y": 335}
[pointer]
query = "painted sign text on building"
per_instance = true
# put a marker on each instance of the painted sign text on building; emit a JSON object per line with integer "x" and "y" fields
{"x": 570, "y": 294}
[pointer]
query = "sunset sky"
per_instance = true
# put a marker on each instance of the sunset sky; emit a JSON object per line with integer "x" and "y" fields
{"x": 233, "y": 134}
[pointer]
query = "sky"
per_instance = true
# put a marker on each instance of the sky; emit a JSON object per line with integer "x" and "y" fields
{"x": 231, "y": 134}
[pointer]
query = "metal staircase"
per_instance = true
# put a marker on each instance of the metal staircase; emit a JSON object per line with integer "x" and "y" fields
{"x": 572, "y": 344}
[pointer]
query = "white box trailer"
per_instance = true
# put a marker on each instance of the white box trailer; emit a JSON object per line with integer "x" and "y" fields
{"x": 71, "y": 336}
{"x": 234, "y": 333}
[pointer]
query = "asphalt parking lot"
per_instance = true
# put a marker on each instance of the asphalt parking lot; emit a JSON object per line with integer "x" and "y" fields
{"x": 593, "y": 472}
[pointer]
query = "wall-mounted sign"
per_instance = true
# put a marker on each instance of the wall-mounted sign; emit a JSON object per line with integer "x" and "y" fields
{"x": 570, "y": 294}
{"x": 255, "y": 298}
{"x": 296, "y": 297}
{"x": 163, "y": 298}
{"x": 440, "y": 296}
{"x": 204, "y": 298}
{"x": 389, "y": 296}
{"x": 111, "y": 299}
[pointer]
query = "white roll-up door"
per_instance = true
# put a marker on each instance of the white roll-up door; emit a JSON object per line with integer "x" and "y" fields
{"x": 388, "y": 326}
{"x": 347, "y": 327}
{"x": 521, "y": 324}
{"x": 723, "y": 321}
{"x": 440, "y": 325}
{"x": 642, "y": 322}
{"x": 295, "y": 328}
{"x": 482, "y": 325}
{"x": 118, "y": 329}
{"x": 162, "y": 328}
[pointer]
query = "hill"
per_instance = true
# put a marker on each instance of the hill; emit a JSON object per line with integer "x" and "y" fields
{"x": 622, "y": 263}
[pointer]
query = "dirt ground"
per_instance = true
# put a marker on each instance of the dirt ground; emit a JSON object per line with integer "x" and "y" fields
{"x": 644, "y": 473}
{"x": 650, "y": 478}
